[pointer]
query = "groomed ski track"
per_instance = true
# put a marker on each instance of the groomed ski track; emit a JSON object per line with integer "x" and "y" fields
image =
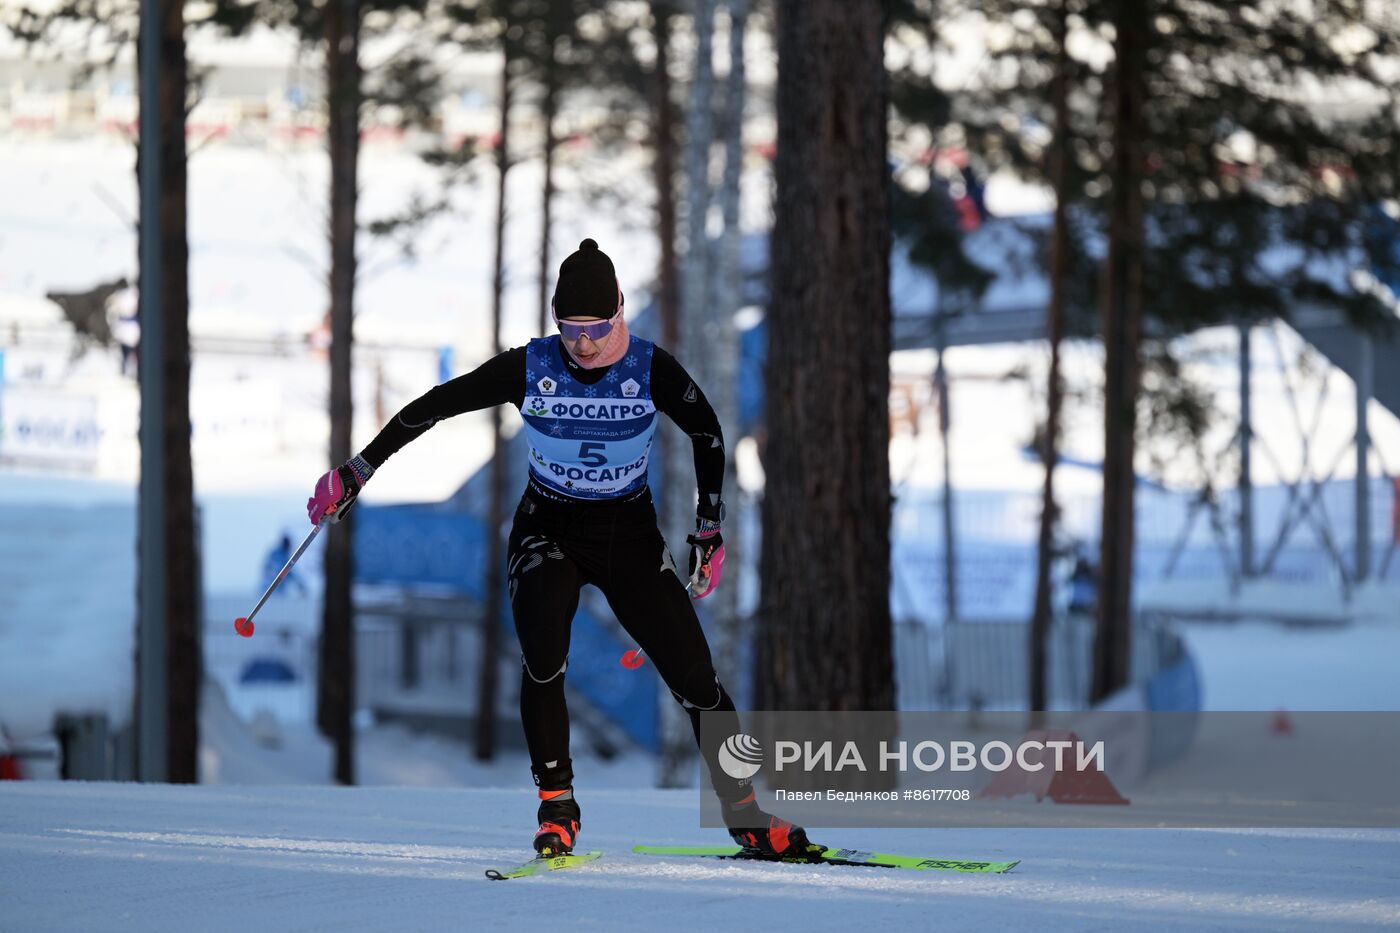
{"x": 98, "y": 857}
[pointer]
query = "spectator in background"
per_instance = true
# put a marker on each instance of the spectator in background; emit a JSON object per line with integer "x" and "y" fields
{"x": 1083, "y": 585}
{"x": 274, "y": 562}
{"x": 318, "y": 339}
{"x": 126, "y": 330}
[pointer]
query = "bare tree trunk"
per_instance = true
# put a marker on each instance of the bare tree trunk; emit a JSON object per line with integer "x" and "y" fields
{"x": 677, "y": 740}
{"x": 1055, "y": 313}
{"x": 669, "y": 452}
{"x": 697, "y": 315}
{"x": 549, "y": 106}
{"x": 728, "y": 297}
{"x": 943, "y": 393}
{"x": 336, "y": 706}
{"x": 183, "y": 660}
{"x": 495, "y": 512}
{"x": 663, "y": 120}
{"x": 1122, "y": 327}
{"x": 826, "y": 532}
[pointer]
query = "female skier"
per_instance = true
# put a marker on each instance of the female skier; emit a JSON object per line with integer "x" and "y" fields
{"x": 589, "y": 399}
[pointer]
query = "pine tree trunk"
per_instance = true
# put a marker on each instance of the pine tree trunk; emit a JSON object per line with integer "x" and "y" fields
{"x": 671, "y": 451}
{"x": 825, "y": 560}
{"x": 487, "y": 680}
{"x": 1055, "y": 325}
{"x": 677, "y": 740}
{"x": 721, "y": 389}
{"x": 663, "y": 141}
{"x": 335, "y": 709}
{"x": 1122, "y": 316}
{"x": 697, "y": 312}
{"x": 549, "y": 106}
{"x": 184, "y": 615}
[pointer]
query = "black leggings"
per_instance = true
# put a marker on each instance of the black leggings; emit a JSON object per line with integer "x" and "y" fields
{"x": 555, "y": 548}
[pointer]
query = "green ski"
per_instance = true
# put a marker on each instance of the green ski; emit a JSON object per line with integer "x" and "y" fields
{"x": 539, "y": 865}
{"x": 840, "y": 857}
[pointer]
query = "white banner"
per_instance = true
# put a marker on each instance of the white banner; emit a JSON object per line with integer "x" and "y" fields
{"x": 39, "y": 427}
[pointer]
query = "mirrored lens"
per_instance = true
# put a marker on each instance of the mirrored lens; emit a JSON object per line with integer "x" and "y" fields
{"x": 596, "y": 331}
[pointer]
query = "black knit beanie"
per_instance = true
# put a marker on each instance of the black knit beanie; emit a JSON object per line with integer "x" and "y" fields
{"x": 587, "y": 285}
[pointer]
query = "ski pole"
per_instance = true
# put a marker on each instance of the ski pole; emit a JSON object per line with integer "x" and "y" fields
{"x": 632, "y": 659}
{"x": 243, "y": 625}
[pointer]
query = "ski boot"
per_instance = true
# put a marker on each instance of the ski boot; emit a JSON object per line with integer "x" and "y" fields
{"x": 559, "y": 823}
{"x": 765, "y": 836}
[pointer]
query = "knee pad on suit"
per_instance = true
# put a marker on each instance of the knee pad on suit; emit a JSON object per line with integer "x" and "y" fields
{"x": 556, "y": 675}
{"x": 700, "y": 689}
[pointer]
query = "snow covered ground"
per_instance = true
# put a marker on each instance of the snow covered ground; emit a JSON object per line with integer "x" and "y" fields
{"x": 245, "y": 851}
{"x": 157, "y": 858}
{"x": 1261, "y": 666}
{"x": 407, "y": 849}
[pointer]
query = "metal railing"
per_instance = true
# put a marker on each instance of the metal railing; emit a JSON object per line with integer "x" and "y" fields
{"x": 984, "y": 665}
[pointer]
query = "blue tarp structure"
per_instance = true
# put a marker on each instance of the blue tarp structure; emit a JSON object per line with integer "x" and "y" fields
{"x": 267, "y": 671}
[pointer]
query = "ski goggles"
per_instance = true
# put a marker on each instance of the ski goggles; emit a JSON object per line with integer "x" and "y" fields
{"x": 594, "y": 331}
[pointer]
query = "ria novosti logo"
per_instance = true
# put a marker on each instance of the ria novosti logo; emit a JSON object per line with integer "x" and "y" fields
{"x": 741, "y": 756}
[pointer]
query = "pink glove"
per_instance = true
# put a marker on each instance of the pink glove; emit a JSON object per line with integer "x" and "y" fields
{"x": 337, "y": 490}
{"x": 706, "y": 559}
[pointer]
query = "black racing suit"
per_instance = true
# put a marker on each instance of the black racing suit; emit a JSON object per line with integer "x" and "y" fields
{"x": 559, "y": 543}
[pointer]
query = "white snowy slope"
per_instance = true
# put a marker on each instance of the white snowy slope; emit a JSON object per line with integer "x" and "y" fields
{"x": 154, "y": 858}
